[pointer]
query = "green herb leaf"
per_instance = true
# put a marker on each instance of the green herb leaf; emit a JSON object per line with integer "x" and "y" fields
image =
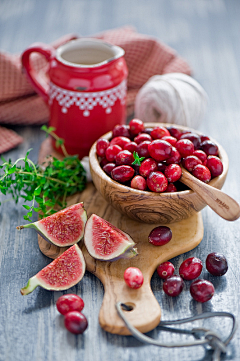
{"x": 137, "y": 159}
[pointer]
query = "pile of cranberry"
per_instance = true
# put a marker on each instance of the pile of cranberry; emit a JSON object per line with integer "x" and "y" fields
{"x": 149, "y": 158}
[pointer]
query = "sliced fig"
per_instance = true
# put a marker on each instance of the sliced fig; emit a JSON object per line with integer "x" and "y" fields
{"x": 63, "y": 228}
{"x": 106, "y": 242}
{"x": 61, "y": 274}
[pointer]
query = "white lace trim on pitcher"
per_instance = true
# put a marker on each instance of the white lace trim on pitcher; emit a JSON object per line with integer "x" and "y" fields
{"x": 86, "y": 101}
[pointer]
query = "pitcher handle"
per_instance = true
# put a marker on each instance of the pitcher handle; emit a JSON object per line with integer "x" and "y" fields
{"x": 39, "y": 83}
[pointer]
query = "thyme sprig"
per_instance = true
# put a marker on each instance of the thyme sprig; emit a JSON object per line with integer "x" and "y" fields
{"x": 44, "y": 187}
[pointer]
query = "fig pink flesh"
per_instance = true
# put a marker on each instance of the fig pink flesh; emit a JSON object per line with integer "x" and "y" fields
{"x": 64, "y": 227}
{"x": 66, "y": 270}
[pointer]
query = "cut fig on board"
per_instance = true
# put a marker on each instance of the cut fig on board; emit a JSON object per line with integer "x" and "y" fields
{"x": 63, "y": 228}
{"x": 106, "y": 242}
{"x": 61, "y": 274}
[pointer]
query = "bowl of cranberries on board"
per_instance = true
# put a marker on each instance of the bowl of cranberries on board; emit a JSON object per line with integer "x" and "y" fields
{"x": 137, "y": 169}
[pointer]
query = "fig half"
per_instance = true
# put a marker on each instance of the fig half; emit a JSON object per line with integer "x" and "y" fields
{"x": 61, "y": 274}
{"x": 63, "y": 228}
{"x": 106, "y": 242}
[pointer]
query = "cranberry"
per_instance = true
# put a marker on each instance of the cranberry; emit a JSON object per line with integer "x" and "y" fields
{"x": 159, "y": 132}
{"x": 122, "y": 173}
{"x": 112, "y": 151}
{"x": 121, "y": 130}
{"x": 202, "y": 290}
{"x": 148, "y": 165}
{"x": 173, "y": 172}
{"x": 159, "y": 149}
{"x": 101, "y": 147}
{"x": 142, "y": 137}
{"x": 107, "y": 168}
{"x": 201, "y": 155}
{"x": 148, "y": 130}
{"x": 215, "y": 165}
{"x": 171, "y": 188}
{"x": 185, "y": 147}
{"x": 216, "y": 264}
{"x": 157, "y": 182}
{"x": 165, "y": 270}
{"x": 138, "y": 182}
{"x": 133, "y": 277}
{"x": 202, "y": 173}
{"x": 136, "y": 126}
{"x": 121, "y": 141}
{"x": 175, "y": 132}
{"x": 170, "y": 140}
{"x": 195, "y": 139}
{"x": 103, "y": 162}
{"x": 190, "y": 162}
{"x": 160, "y": 236}
{"x": 75, "y": 322}
{"x": 204, "y": 137}
{"x": 209, "y": 147}
{"x": 175, "y": 157}
{"x": 124, "y": 158}
{"x": 69, "y": 302}
{"x": 131, "y": 146}
{"x": 161, "y": 167}
{"x": 173, "y": 285}
{"x": 191, "y": 268}
{"x": 142, "y": 149}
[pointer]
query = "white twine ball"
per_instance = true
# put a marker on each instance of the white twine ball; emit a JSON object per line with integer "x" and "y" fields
{"x": 171, "y": 98}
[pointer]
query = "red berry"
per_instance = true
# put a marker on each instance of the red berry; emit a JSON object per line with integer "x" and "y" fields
{"x": 202, "y": 290}
{"x": 133, "y": 277}
{"x": 121, "y": 141}
{"x": 136, "y": 126}
{"x": 148, "y": 165}
{"x": 157, "y": 182}
{"x": 112, "y": 151}
{"x": 173, "y": 172}
{"x": 159, "y": 149}
{"x": 170, "y": 140}
{"x": 160, "y": 236}
{"x": 159, "y": 132}
{"x": 101, "y": 147}
{"x": 204, "y": 137}
{"x": 175, "y": 157}
{"x": 162, "y": 167}
{"x": 191, "y": 268}
{"x": 195, "y": 139}
{"x": 215, "y": 165}
{"x": 103, "y": 162}
{"x": 69, "y": 302}
{"x": 202, "y": 173}
{"x": 148, "y": 130}
{"x": 190, "y": 162}
{"x": 171, "y": 188}
{"x": 175, "y": 132}
{"x": 185, "y": 147}
{"x": 108, "y": 168}
{"x": 142, "y": 137}
{"x": 120, "y": 130}
{"x": 122, "y": 173}
{"x": 201, "y": 155}
{"x": 165, "y": 270}
{"x": 138, "y": 182}
{"x": 124, "y": 158}
{"x": 142, "y": 149}
{"x": 209, "y": 147}
{"x": 75, "y": 322}
{"x": 173, "y": 285}
{"x": 216, "y": 264}
{"x": 131, "y": 146}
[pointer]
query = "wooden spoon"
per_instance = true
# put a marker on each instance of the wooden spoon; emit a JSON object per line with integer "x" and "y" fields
{"x": 225, "y": 206}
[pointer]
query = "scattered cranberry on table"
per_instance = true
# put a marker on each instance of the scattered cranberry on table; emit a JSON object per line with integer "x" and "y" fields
{"x": 133, "y": 277}
{"x": 216, "y": 264}
{"x": 173, "y": 285}
{"x": 75, "y": 322}
{"x": 69, "y": 302}
{"x": 202, "y": 290}
{"x": 165, "y": 270}
{"x": 191, "y": 268}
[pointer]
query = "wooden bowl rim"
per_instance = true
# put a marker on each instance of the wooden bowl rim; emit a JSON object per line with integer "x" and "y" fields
{"x": 94, "y": 164}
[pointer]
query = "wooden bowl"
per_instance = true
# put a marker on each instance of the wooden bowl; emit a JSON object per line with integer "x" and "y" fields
{"x": 150, "y": 207}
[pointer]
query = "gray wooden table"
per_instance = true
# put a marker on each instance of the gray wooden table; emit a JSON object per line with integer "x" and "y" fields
{"x": 206, "y": 34}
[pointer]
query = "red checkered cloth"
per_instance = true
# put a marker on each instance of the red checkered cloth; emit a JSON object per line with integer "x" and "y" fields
{"x": 19, "y": 104}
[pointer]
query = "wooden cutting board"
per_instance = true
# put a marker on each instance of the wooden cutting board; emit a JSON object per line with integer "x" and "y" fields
{"x": 146, "y": 312}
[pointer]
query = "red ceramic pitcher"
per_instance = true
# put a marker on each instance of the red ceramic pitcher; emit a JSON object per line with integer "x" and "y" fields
{"x": 85, "y": 88}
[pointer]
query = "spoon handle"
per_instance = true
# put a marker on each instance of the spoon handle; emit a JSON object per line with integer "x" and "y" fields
{"x": 225, "y": 206}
